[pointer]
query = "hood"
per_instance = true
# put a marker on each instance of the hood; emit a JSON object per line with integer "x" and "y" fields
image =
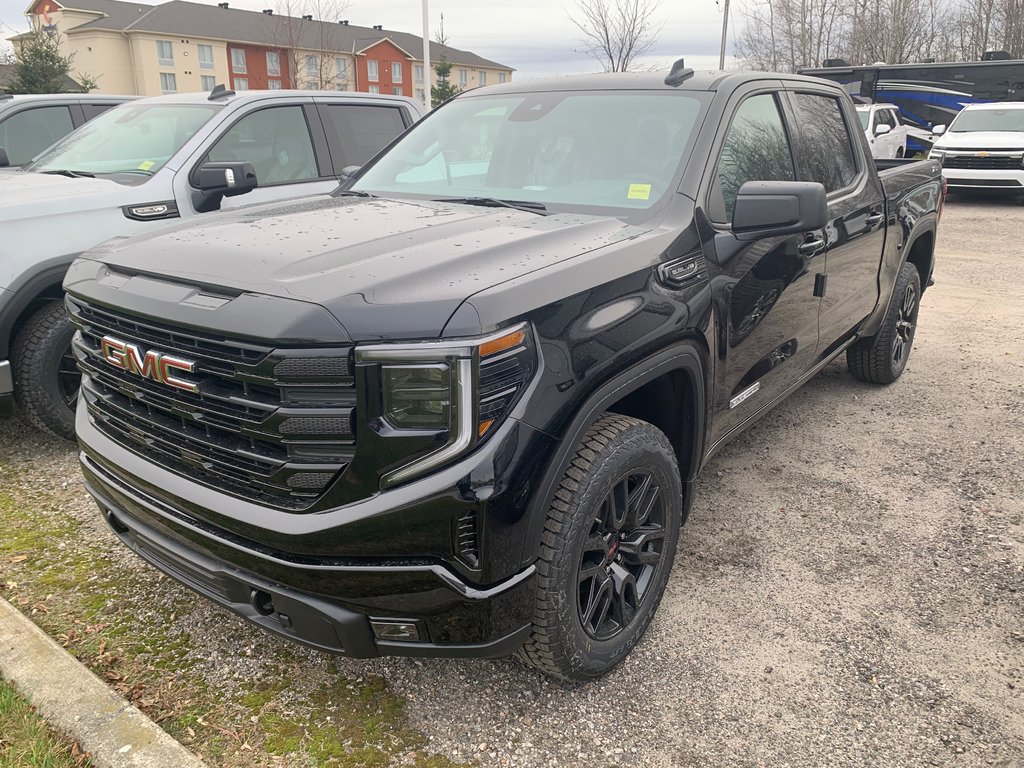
{"x": 385, "y": 269}
{"x": 981, "y": 140}
{"x": 24, "y": 195}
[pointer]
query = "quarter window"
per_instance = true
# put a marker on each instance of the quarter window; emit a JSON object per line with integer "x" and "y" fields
{"x": 165, "y": 53}
{"x": 205, "y": 56}
{"x": 276, "y": 141}
{"x": 756, "y": 148}
{"x": 825, "y": 152}
{"x": 238, "y": 60}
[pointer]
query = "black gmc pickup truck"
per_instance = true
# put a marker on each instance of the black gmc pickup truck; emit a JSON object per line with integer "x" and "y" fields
{"x": 459, "y": 407}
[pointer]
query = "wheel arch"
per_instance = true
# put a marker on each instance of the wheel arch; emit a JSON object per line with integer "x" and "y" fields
{"x": 666, "y": 389}
{"x": 43, "y": 286}
{"x": 921, "y": 254}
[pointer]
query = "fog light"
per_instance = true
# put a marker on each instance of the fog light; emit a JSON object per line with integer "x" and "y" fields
{"x": 395, "y": 630}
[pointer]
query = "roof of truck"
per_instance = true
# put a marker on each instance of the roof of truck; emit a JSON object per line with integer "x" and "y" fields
{"x": 232, "y": 97}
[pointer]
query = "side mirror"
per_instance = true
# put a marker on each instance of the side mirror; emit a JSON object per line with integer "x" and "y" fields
{"x": 5, "y": 161}
{"x": 349, "y": 171}
{"x": 938, "y": 130}
{"x": 774, "y": 208}
{"x": 219, "y": 180}
{"x": 881, "y": 129}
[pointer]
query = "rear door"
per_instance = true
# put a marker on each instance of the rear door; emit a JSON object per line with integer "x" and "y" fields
{"x": 766, "y": 311}
{"x": 356, "y": 131}
{"x": 828, "y": 150}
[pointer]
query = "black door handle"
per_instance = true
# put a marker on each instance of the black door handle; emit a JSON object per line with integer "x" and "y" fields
{"x": 811, "y": 247}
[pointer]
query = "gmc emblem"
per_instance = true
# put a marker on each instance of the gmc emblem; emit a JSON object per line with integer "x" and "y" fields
{"x": 153, "y": 365}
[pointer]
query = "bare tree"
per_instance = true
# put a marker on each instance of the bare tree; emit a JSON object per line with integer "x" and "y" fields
{"x": 305, "y": 31}
{"x": 616, "y": 32}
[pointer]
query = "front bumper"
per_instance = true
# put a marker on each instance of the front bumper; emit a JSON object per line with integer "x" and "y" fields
{"x": 322, "y": 599}
{"x": 6, "y": 389}
{"x": 962, "y": 178}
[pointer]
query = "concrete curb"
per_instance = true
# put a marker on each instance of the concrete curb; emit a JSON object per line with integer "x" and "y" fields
{"x": 76, "y": 702}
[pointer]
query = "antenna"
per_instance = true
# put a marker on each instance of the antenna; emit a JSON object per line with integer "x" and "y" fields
{"x": 679, "y": 74}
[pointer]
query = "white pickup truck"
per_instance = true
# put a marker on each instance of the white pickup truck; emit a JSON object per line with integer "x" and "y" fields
{"x": 983, "y": 148}
{"x": 140, "y": 166}
{"x": 885, "y": 129}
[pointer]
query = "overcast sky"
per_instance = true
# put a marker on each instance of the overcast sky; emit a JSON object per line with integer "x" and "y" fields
{"x": 535, "y": 37}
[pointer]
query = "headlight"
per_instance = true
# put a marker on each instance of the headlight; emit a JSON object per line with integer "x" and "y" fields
{"x": 434, "y": 401}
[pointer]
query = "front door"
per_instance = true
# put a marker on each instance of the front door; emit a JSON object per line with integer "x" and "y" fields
{"x": 830, "y": 152}
{"x": 766, "y": 310}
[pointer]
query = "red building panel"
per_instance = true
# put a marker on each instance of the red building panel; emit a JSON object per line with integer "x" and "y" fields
{"x": 256, "y": 66}
{"x": 385, "y": 53}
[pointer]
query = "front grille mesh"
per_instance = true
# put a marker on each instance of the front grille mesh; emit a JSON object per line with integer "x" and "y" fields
{"x": 990, "y": 163}
{"x": 250, "y": 430}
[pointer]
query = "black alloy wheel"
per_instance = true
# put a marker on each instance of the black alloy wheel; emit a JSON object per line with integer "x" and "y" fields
{"x": 906, "y": 323}
{"x": 621, "y": 555}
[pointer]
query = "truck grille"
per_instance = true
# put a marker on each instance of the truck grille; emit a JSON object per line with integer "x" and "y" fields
{"x": 990, "y": 163}
{"x": 269, "y": 425}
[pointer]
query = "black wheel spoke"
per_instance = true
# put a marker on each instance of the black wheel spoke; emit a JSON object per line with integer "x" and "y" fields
{"x": 621, "y": 554}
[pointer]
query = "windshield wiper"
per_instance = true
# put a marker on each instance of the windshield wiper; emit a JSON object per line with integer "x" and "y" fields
{"x": 71, "y": 174}
{"x": 352, "y": 193}
{"x": 493, "y": 202}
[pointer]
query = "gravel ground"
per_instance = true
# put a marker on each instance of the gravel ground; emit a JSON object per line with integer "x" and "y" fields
{"x": 849, "y": 590}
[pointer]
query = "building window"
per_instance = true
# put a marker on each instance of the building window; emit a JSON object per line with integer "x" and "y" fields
{"x": 501, "y": 77}
{"x": 274, "y": 63}
{"x": 205, "y": 56}
{"x": 341, "y": 71}
{"x": 463, "y": 78}
{"x": 241, "y": 83}
{"x": 371, "y": 69}
{"x": 168, "y": 83}
{"x": 312, "y": 67}
{"x": 274, "y": 85}
{"x": 374, "y": 89}
{"x": 483, "y": 78}
{"x": 397, "y": 90}
{"x": 207, "y": 82}
{"x": 417, "y": 73}
{"x": 396, "y": 72}
{"x": 165, "y": 53}
{"x": 238, "y": 60}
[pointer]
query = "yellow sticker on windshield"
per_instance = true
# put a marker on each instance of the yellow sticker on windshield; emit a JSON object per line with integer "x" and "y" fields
{"x": 145, "y": 165}
{"x": 639, "y": 192}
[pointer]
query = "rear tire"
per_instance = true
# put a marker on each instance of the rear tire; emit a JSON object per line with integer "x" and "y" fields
{"x": 881, "y": 358}
{"x": 46, "y": 379}
{"x": 607, "y": 549}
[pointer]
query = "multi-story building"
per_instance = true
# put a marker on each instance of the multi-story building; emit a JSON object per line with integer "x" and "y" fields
{"x": 132, "y": 48}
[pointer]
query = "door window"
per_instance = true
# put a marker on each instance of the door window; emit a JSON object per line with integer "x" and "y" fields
{"x": 825, "y": 153}
{"x": 27, "y": 133}
{"x": 756, "y": 149}
{"x": 276, "y": 141}
{"x": 357, "y": 133}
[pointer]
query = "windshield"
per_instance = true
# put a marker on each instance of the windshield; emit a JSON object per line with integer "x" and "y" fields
{"x": 135, "y": 139}
{"x": 583, "y": 149}
{"x": 988, "y": 120}
{"x": 864, "y": 115}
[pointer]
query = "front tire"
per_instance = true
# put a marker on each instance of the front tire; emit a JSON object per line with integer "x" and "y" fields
{"x": 881, "y": 358}
{"x": 46, "y": 378}
{"x": 607, "y": 549}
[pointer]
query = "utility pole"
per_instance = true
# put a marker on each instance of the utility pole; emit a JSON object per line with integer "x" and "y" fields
{"x": 725, "y": 32}
{"x": 426, "y": 57}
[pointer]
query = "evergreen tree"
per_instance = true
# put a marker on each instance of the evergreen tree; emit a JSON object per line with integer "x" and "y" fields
{"x": 39, "y": 66}
{"x": 444, "y": 89}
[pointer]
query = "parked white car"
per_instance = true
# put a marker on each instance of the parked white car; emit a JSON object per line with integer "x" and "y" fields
{"x": 983, "y": 148}
{"x": 885, "y": 129}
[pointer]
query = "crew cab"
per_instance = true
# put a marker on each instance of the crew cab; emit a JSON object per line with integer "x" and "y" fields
{"x": 29, "y": 124}
{"x": 459, "y": 407}
{"x": 139, "y": 167}
{"x": 983, "y": 148}
{"x": 885, "y": 130}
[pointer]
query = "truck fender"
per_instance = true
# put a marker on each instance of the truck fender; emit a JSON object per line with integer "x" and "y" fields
{"x": 889, "y": 271}
{"x": 686, "y": 357}
{"x": 24, "y": 295}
